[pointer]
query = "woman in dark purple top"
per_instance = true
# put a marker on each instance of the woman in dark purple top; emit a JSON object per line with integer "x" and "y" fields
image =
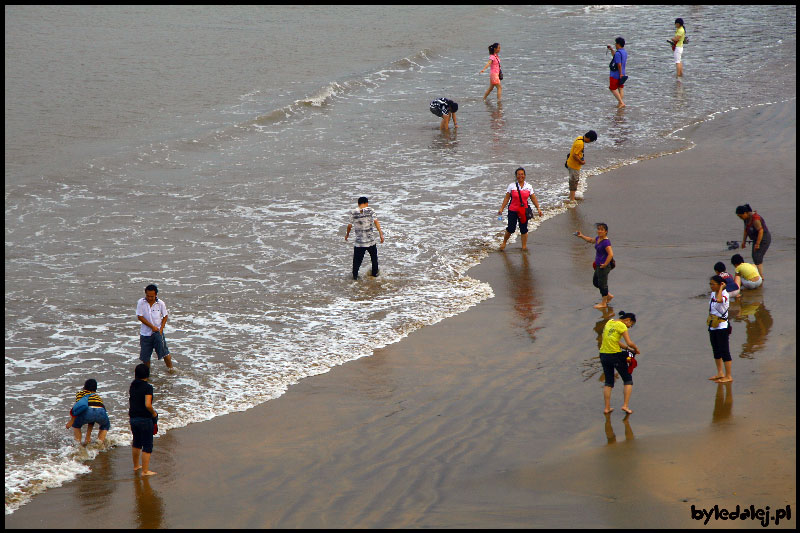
{"x": 603, "y": 262}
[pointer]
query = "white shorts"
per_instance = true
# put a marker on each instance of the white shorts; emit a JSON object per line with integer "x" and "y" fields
{"x": 678, "y": 53}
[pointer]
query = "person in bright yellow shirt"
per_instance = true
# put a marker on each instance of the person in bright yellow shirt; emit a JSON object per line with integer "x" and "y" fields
{"x": 575, "y": 161}
{"x": 613, "y": 358}
{"x": 746, "y": 274}
{"x": 677, "y": 45}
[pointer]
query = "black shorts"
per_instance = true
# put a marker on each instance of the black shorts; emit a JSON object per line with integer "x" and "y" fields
{"x": 513, "y": 218}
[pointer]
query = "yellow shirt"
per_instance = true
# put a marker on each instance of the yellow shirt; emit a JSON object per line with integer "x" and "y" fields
{"x": 747, "y": 271}
{"x": 576, "y": 154}
{"x": 612, "y": 332}
{"x": 680, "y": 32}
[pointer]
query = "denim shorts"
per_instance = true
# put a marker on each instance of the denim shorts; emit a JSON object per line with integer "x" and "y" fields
{"x": 142, "y": 429}
{"x": 93, "y": 415}
{"x": 148, "y": 343}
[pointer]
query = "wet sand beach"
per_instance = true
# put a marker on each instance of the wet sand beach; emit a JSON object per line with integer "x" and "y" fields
{"x": 493, "y": 418}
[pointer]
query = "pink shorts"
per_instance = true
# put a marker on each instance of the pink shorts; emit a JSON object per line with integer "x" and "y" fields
{"x": 613, "y": 84}
{"x": 494, "y": 78}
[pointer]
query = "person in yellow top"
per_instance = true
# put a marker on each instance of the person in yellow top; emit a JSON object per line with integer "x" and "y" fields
{"x": 613, "y": 358}
{"x": 747, "y": 276}
{"x": 575, "y": 161}
{"x": 677, "y": 45}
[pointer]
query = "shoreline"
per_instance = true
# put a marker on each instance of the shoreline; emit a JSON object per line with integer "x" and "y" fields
{"x": 410, "y": 399}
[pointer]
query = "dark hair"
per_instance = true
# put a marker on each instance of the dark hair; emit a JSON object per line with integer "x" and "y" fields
{"x": 718, "y": 279}
{"x": 620, "y": 41}
{"x": 737, "y": 260}
{"x": 591, "y": 135}
{"x": 363, "y": 200}
{"x": 523, "y": 171}
{"x": 453, "y": 107}
{"x": 719, "y": 267}
{"x": 602, "y": 225}
{"x": 151, "y": 287}
{"x": 91, "y": 385}
{"x": 679, "y": 21}
{"x": 142, "y": 371}
{"x": 493, "y": 47}
{"x": 742, "y": 209}
{"x": 623, "y": 315}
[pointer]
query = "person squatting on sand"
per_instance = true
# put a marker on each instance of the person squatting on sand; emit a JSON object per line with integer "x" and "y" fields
{"x": 152, "y": 313}
{"x": 730, "y": 281}
{"x": 95, "y": 413}
{"x": 495, "y": 72}
{"x": 603, "y": 262}
{"x": 142, "y": 418}
{"x": 755, "y": 227}
{"x": 746, "y": 274}
{"x": 575, "y": 161}
{"x": 613, "y": 358}
{"x": 520, "y": 193}
{"x": 365, "y": 240}
{"x": 445, "y": 108}
{"x": 718, "y": 329}
{"x": 617, "y": 77}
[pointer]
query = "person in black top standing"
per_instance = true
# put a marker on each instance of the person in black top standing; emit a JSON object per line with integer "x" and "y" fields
{"x": 142, "y": 416}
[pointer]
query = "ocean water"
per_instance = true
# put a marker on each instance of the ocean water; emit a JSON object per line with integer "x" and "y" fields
{"x": 216, "y": 152}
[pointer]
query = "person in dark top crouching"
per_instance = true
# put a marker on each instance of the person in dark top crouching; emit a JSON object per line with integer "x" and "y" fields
{"x": 142, "y": 416}
{"x": 445, "y": 108}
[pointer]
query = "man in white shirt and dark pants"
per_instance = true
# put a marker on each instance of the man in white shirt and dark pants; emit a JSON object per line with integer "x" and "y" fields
{"x": 152, "y": 313}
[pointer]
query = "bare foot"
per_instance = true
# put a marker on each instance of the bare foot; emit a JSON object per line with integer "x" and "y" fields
{"x": 620, "y": 106}
{"x": 502, "y": 247}
{"x": 137, "y": 468}
{"x": 726, "y": 379}
{"x": 714, "y": 378}
{"x": 600, "y": 306}
{"x": 627, "y": 410}
{"x": 609, "y": 298}
{"x": 149, "y": 473}
{"x": 605, "y": 412}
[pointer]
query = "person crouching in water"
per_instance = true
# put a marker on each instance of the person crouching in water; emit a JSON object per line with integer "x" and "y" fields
{"x": 445, "y": 108}
{"x": 613, "y": 358}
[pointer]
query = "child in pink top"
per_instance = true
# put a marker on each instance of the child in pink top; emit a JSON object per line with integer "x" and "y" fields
{"x": 494, "y": 72}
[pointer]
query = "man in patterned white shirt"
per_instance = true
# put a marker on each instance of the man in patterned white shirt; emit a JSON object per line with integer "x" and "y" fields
{"x": 152, "y": 313}
{"x": 365, "y": 240}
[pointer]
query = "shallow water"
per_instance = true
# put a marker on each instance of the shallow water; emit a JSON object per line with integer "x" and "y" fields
{"x": 216, "y": 152}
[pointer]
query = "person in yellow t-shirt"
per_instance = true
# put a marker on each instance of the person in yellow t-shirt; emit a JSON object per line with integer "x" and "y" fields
{"x": 613, "y": 358}
{"x": 746, "y": 274}
{"x": 575, "y": 161}
{"x": 677, "y": 46}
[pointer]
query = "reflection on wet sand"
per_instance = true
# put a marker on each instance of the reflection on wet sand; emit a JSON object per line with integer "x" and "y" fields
{"x": 723, "y": 403}
{"x": 757, "y": 322}
{"x": 149, "y": 507}
{"x": 611, "y": 437}
{"x": 592, "y": 366}
{"x": 94, "y": 492}
{"x": 521, "y": 285}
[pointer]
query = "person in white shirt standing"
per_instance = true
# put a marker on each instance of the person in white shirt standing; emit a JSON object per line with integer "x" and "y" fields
{"x": 152, "y": 313}
{"x": 718, "y": 330}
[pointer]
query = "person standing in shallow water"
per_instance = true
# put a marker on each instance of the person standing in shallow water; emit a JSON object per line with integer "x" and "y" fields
{"x": 517, "y": 196}
{"x": 362, "y": 220}
{"x": 152, "y": 313}
{"x": 617, "y": 77}
{"x": 494, "y": 71}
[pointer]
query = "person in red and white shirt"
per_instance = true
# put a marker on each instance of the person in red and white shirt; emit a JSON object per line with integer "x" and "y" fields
{"x": 518, "y": 193}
